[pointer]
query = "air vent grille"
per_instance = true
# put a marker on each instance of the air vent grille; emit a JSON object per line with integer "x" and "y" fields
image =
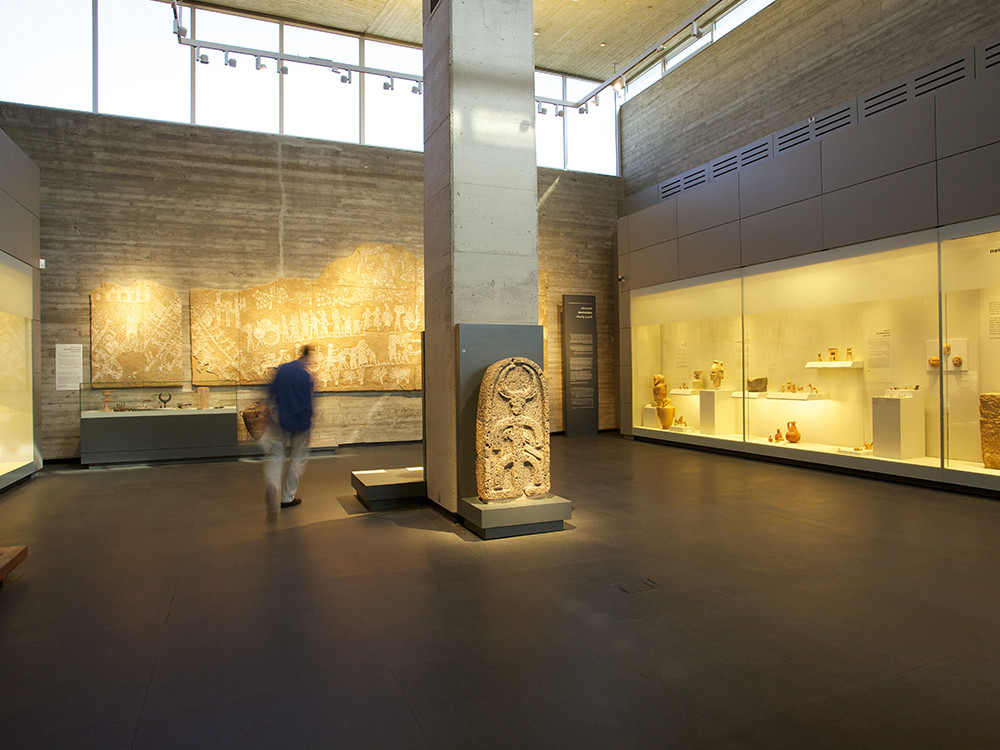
{"x": 834, "y": 120}
{"x": 990, "y": 55}
{"x": 880, "y": 101}
{"x": 793, "y": 136}
{"x": 725, "y": 165}
{"x": 697, "y": 177}
{"x": 753, "y": 154}
{"x": 941, "y": 76}
{"x": 670, "y": 188}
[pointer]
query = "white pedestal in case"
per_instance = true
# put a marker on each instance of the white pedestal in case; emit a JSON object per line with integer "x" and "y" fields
{"x": 898, "y": 427}
{"x": 718, "y": 415}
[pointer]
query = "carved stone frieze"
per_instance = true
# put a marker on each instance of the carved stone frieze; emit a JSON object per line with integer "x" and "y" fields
{"x": 512, "y": 432}
{"x": 989, "y": 428}
{"x": 135, "y": 334}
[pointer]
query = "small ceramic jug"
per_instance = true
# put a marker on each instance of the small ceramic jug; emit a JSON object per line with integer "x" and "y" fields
{"x": 793, "y": 435}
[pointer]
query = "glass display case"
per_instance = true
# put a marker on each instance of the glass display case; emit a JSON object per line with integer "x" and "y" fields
{"x": 17, "y": 422}
{"x": 882, "y": 357}
{"x": 151, "y": 422}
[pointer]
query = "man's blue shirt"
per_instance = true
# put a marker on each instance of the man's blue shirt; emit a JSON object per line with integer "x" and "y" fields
{"x": 291, "y": 391}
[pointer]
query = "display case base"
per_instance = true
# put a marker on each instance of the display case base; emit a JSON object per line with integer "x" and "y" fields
{"x": 516, "y": 518}
{"x": 387, "y": 489}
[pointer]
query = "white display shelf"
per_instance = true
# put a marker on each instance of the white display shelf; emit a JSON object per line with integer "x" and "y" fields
{"x": 100, "y": 414}
{"x": 750, "y": 394}
{"x": 685, "y": 391}
{"x": 799, "y": 396}
{"x": 854, "y": 364}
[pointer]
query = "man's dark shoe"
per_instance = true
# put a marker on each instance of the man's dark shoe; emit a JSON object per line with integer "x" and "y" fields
{"x": 292, "y": 503}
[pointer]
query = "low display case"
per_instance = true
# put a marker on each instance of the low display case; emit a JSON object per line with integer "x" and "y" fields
{"x": 156, "y": 423}
{"x": 883, "y": 357}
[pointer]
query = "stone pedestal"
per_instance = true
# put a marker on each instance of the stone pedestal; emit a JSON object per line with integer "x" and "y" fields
{"x": 515, "y": 518}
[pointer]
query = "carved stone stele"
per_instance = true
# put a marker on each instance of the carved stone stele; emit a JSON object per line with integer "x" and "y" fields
{"x": 512, "y": 432}
{"x": 989, "y": 428}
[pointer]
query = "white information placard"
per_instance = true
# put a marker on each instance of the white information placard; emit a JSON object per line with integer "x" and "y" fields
{"x": 69, "y": 367}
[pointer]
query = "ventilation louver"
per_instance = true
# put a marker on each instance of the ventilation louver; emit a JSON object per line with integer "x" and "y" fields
{"x": 941, "y": 76}
{"x": 670, "y": 188}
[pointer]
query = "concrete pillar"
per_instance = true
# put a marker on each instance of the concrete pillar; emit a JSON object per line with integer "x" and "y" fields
{"x": 480, "y": 219}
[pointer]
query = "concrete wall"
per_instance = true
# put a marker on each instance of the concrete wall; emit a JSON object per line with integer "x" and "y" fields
{"x": 793, "y": 60}
{"x": 125, "y": 199}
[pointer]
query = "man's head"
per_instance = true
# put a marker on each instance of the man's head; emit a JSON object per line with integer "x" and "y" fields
{"x": 307, "y": 350}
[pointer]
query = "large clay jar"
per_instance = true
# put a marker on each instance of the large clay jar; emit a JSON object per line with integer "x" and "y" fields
{"x": 793, "y": 435}
{"x": 666, "y": 415}
{"x": 256, "y": 417}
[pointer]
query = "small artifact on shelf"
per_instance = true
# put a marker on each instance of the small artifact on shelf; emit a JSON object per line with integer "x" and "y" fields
{"x": 989, "y": 429}
{"x": 793, "y": 435}
{"x": 120, "y": 406}
{"x": 107, "y": 399}
{"x": 664, "y": 411}
{"x": 679, "y": 422}
{"x": 849, "y": 357}
{"x": 257, "y": 418}
{"x": 868, "y": 445}
{"x": 756, "y": 385}
{"x": 946, "y": 349}
{"x": 819, "y": 357}
{"x": 684, "y": 386}
{"x": 697, "y": 384}
{"x": 164, "y": 401}
{"x": 716, "y": 372}
{"x": 934, "y": 361}
{"x": 956, "y": 361}
{"x": 778, "y": 436}
{"x": 202, "y": 396}
{"x": 833, "y": 353}
{"x": 813, "y": 389}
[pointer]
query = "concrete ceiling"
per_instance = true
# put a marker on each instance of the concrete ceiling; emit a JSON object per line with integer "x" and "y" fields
{"x": 585, "y": 38}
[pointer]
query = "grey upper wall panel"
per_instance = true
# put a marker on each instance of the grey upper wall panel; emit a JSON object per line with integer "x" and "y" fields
{"x": 787, "y": 178}
{"x": 19, "y": 230}
{"x": 638, "y": 201}
{"x": 716, "y": 249}
{"x": 961, "y": 181}
{"x": 623, "y": 236}
{"x": 710, "y": 205}
{"x": 18, "y": 175}
{"x": 896, "y": 204}
{"x": 656, "y": 264}
{"x": 968, "y": 116}
{"x": 889, "y": 143}
{"x": 653, "y": 225}
{"x": 782, "y": 232}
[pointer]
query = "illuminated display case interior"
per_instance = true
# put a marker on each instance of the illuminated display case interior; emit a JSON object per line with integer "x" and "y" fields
{"x": 16, "y": 398}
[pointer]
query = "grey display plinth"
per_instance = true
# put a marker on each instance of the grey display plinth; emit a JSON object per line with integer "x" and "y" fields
{"x": 515, "y": 518}
{"x": 382, "y": 489}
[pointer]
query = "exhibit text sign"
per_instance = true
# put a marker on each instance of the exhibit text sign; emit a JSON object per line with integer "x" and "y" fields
{"x": 579, "y": 365}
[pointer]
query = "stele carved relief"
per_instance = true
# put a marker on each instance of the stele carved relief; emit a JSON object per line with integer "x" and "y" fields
{"x": 135, "y": 334}
{"x": 989, "y": 428}
{"x": 15, "y": 343}
{"x": 512, "y": 432}
{"x": 363, "y": 314}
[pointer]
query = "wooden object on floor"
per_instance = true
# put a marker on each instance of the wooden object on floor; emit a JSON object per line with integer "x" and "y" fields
{"x": 10, "y": 558}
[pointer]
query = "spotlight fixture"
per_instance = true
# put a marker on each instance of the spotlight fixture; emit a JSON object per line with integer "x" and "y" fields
{"x": 389, "y": 85}
{"x": 582, "y": 109}
{"x": 202, "y": 57}
{"x": 541, "y": 109}
{"x": 619, "y": 84}
{"x": 261, "y": 65}
{"x": 696, "y": 31}
{"x": 560, "y": 111}
{"x": 418, "y": 88}
{"x": 621, "y": 278}
{"x": 596, "y": 101}
{"x": 346, "y": 78}
{"x": 230, "y": 61}
{"x": 179, "y": 30}
{"x": 282, "y": 69}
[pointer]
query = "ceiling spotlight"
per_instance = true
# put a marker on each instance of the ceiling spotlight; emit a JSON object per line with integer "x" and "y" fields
{"x": 604, "y": 44}
{"x": 261, "y": 65}
{"x": 346, "y": 78}
{"x": 619, "y": 84}
{"x": 202, "y": 57}
{"x": 696, "y": 31}
{"x": 282, "y": 69}
{"x": 541, "y": 109}
{"x": 596, "y": 101}
{"x": 560, "y": 111}
{"x": 389, "y": 85}
{"x": 230, "y": 61}
{"x": 179, "y": 30}
{"x": 582, "y": 109}
{"x": 418, "y": 88}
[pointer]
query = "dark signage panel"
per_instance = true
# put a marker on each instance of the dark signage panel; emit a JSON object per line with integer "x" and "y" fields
{"x": 579, "y": 365}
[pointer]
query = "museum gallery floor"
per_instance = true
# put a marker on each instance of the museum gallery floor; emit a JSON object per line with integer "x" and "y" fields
{"x": 695, "y": 600}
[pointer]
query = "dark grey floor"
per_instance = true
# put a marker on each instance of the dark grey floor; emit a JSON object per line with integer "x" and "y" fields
{"x": 791, "y": 608}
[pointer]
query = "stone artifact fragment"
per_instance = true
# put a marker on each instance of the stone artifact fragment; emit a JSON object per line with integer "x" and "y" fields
{"x": 757, "y": 385}
{"x": 833, "y": 354}
{"x": 135, "y": 334}
{"x": 697, "y": 384}
{"x": 716, "y": 373}
{"x": 989, "y": 429}
{"x": 512, "y": 432}
{"x": 664, "y": 411}
{"x": 256, "y": 417}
